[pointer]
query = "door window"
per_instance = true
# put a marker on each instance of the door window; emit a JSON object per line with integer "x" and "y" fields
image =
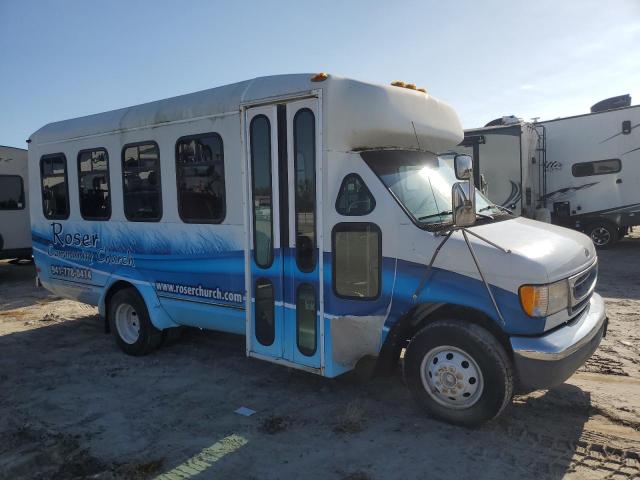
{"x": 265, "y": 312}
{"x": 306, "y": 319}
{"x": 304, "y": 140}
{"x": 260, "y": 139}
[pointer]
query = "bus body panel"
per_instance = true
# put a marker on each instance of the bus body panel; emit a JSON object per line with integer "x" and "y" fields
{"x": 207, "y": 275}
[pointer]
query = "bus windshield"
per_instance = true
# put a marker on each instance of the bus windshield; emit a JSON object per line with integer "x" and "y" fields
{"x": 422, "y": 182}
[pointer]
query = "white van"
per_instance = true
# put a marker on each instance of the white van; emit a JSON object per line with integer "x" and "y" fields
{"x": 15, "y": 228}
{"x": 310, "y": 214}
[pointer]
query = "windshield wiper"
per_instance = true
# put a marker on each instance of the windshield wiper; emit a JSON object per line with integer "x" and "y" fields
{"x": 440, "y": 214}
{"x": 499, "y": 207}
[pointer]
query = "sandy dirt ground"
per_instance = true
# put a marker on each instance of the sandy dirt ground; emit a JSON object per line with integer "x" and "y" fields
{"x": 73, "y": 406}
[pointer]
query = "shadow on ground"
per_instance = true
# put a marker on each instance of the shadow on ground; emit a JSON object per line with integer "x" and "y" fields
{"x": 76, "y": 406}
{"x": 14, "y": 277}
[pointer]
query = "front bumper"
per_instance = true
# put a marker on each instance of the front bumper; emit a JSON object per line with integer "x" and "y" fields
{"x": 548, "y": 360}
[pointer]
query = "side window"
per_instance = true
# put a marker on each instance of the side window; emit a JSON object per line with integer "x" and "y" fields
{"x": 55, "y": 190}
{"x": 11, "y": 192}
{"x": 93, "y": 184}
{"x": 354, "y": 198}
{"x": 260, "y": 138}
{"x": 357, "y": 259}
{"x": 304, "y": 141}
{"x": 141, "y": 182}
{"x": 200, "y": 178}
{"x": 599, "y": 167}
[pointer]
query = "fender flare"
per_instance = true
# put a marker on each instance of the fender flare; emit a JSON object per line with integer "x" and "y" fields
{"x": 159, "y": 317}
{"x": 422, "y": 314}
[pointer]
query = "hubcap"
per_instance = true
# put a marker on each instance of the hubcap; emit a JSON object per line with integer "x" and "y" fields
{"x": 451, "y": 377}
{"x": 600, "y": 236}
{"x": 127, "y": 323}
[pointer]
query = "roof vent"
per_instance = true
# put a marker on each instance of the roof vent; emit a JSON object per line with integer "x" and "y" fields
{"x": 620, "y": 101}
{"x": 506, "y": 120}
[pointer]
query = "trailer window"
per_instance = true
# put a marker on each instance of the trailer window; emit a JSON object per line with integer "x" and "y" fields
{"x": 200, "y": 178}
{"x": 93, "y": 184}
{"x": 11, "y": 192}
{"x": 599, "y": 167}
{"x": 354, "y": 197}
{"x": 55, "y": 191}
{"x": 304, "y": 139}
{"x": 141, "y": 182}
{"x": 260, "y": 138}
{"x": 357, "y": 258}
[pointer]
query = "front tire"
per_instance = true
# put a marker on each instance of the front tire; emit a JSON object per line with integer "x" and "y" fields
{"x": 130, "y": 323}
{"x": 458, "y": 372}
{"x": 603, "y": 234}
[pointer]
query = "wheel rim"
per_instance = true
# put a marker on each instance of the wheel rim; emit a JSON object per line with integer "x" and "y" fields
{"x": 127, "y": 323}
{"x": 452, "y": 377}
{"x": 600, "y": 236}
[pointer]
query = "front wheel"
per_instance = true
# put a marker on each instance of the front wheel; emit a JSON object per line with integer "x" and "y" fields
{"x": 130, "y": 323}
{"x": 458, "y": 372}
{"x": 603, "y": 235}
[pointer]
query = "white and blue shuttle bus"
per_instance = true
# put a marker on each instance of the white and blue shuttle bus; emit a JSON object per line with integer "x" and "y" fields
{"x": 312, "y": 214}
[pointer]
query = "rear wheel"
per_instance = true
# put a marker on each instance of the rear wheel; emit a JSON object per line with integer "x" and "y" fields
{"x": 603, "y": 234}
{"x": 458, "y": 372}
{"x": 130, "y": 323}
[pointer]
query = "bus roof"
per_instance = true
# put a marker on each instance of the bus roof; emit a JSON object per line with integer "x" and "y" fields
{"x": 385, "y": 116}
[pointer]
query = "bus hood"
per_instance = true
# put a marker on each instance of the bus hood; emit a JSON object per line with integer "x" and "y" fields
{"x": 561, "y": 252}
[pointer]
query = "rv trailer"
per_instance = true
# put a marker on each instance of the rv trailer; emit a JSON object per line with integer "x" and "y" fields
{"x": 506, "y": 164}
{"x": 593, "y": 172}
{"x": 312, "y": 214}
{"x": 15, "y": 228}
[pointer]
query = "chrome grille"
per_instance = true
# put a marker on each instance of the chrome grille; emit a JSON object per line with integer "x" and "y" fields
{"x": 582, "y": 285}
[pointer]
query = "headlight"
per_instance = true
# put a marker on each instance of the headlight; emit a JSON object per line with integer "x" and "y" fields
{"x": 543, "y": 300}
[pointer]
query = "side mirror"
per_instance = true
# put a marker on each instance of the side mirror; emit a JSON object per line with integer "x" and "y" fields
{"x": 463, "y": 205}
{"x": 463, "y": 166}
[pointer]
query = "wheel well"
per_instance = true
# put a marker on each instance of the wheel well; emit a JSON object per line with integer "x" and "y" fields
{"x": 113, "y": 289}
{"x": 420, "y": 316}
{"x": 600, "y": 221}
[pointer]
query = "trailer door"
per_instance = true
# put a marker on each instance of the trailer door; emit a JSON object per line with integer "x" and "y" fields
{"x": 283, "y": 150}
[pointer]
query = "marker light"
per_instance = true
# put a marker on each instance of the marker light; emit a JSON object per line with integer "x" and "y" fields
{"x": 320, "y": 77}
{"x": 410, "y": 86}
{"x": 544, "y": 300}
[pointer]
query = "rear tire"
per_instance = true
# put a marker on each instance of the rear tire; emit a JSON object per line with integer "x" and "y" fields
{"x": 130, "y": 323}
{"x": 458, "y": 372}
{"x": 602, "y": 234}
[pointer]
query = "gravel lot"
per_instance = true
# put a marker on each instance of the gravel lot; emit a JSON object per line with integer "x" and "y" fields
{"x": 73, "y": 406}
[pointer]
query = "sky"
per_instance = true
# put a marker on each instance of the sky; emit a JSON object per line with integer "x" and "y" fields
{"x": 543, "y": 58}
